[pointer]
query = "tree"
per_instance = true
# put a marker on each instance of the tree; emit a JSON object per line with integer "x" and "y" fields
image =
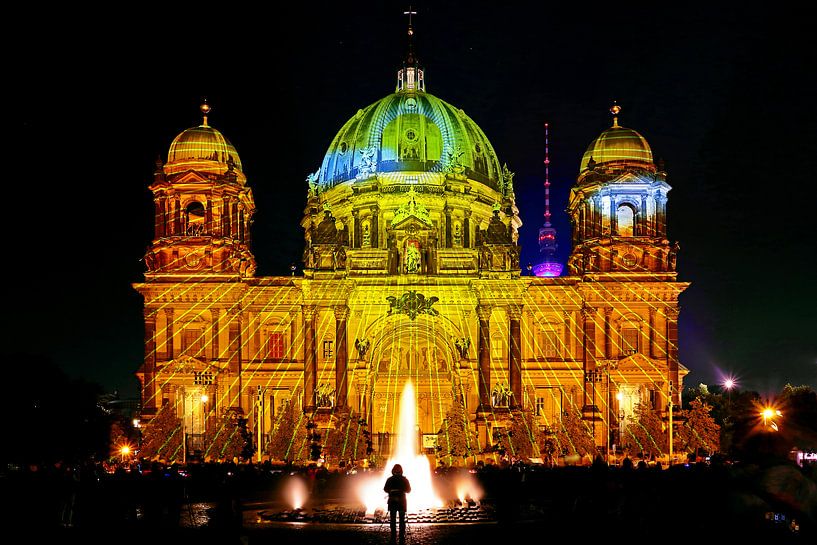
{"x": 525, "y": 437}
{"x": 646, "y": 434}
{"x": 798, "y": 405}
{"x": 455, "y": 439}
{"x": 288, "y": 441}
{"x": 699, "y": 431}
{"x": 314, "y": 437}
{"x": 347, "y": 439}
{"x": 162, "y": 436}
{"x": 574, "y": 435}
{"x": 225, "y": 437}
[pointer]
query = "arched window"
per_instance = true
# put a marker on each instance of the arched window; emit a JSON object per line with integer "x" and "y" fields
{"x": 625, "y": 219}
{"x": 194, "y": 219}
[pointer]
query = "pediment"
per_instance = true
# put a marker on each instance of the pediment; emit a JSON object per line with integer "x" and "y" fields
{"x": 628, "y": 178}
{"x": 187, "y": 365}
{"x": 418, "y": 223}
{"x": 638, "y": 362}
{"x": 191, "y": 177}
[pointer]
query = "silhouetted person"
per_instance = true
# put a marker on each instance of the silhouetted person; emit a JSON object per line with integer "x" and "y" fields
{"x": 397, "y": 487}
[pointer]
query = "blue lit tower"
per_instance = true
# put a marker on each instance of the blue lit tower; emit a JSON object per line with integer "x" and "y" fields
{"x": 618, "y": 208}
{"x": 547, "y": 233}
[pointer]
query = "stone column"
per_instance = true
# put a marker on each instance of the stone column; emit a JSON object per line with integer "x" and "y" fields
{"x": 661, "y": 216}
{"x": 341, "y": 357}
{"x": 466, "y": 230}
{"x": 177, "y": 216}
{"x": 672, "y": 353}
{"x": 216, "y": 314}
{"x": 169, "y": 352}
{"x": 515, "y": 355}
{"x": 159, "y": 217}
{"x": 234, "y": 359}
{"x": 149, "y": 386}
{"x": 448, "y": 226}
{"x": 233, "y": 219}
{"x": 596, "y": 217}
{"x": 589, "y": 342}
{"x": 642, "y": 218}
{"x": 567, "y": 353}
{"x": 225, "y": 216}
{"x": 652, "y": 334}
{"x": 375, "y": 232}
{"x": 356, "y": 231}
{"x": 241, "y": 226}
{"x": 613, "y": 217}
{"x": 484, "y": 354}
{"x": 208, "y": 217}
{"x": 310, "y": 361}
{"x": 608, "y": 341}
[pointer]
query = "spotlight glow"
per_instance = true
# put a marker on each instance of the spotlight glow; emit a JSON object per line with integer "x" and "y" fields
{"x": 295, "y": 492}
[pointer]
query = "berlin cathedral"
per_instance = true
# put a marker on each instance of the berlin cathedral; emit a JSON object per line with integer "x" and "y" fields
{"x": 411, "y": 272}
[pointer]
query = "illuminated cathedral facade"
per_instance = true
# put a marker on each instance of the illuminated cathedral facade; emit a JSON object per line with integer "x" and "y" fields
{"x": 410, "y": 272}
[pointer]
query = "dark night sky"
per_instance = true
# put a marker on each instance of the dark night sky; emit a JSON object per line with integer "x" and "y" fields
{"x": 726, "y": 99}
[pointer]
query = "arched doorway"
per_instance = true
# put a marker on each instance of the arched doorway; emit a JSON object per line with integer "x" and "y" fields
{"x": 419, "y": 350}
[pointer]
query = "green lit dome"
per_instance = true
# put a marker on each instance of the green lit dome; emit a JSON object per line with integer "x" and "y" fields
{"x": 619, "y": 146}
{"x": 410, "y": 132}
{"x": 203, "y": 149}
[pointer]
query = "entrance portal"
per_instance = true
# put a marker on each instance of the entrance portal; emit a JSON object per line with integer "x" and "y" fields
{"x": 418, "y": 351}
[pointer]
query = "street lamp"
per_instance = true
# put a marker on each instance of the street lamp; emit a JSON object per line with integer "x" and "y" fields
{"x": 770, "y": 413}
{"x": 204, "y": 399}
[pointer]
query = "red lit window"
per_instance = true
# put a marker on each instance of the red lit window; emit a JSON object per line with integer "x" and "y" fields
{"x": 275, "y": 346}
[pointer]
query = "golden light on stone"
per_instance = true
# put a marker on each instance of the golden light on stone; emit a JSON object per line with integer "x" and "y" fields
{"x": 439, "y": 221}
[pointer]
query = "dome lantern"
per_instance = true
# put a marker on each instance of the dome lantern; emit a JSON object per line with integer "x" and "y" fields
{"x": 203, "y": 149}
{"x": 617, "y": 147}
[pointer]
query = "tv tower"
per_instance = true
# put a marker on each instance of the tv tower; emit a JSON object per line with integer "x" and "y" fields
{"x": 547, "y": 233}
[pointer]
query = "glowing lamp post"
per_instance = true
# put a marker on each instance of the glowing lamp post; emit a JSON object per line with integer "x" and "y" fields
{"x": 769, "y": 414}
{"x": 124, "y": 452}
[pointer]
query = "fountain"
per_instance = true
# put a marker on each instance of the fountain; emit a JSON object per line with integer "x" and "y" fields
{"x": 415, "y": 466}
{"x": 424, "y": 503}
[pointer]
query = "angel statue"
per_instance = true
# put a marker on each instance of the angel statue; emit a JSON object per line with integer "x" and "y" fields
{"x": 454, "y": 164}
{"x": 362, "y": 346}
{"x": 462, "y": 344}
{"x": 368, "y": 163}
{"x": 507, "y": 181}
{"x": 312, "y": 180}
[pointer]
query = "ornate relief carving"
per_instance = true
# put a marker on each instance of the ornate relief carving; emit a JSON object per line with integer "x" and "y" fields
{"x": 411, "y": 304}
